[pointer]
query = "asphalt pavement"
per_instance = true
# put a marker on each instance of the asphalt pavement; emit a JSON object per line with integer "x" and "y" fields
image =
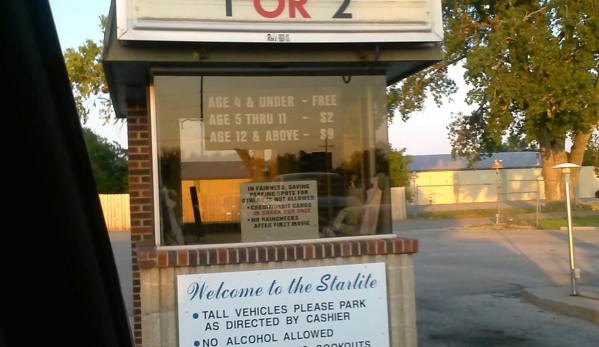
{"x": 535, "y": 273}
{"x": 478, "y": 284}
{"x": 572, "y": 299}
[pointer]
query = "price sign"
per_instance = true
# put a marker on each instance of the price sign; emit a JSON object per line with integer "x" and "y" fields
{"x": 272, "y": 118}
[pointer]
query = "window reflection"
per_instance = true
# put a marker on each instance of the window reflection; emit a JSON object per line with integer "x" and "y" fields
{"x": 219, "y": 135}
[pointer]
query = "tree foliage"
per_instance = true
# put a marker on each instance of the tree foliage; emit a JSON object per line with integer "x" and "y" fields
{"x": 109, "y": 164}
{"x": 90, "y": 91}
{"x": 591, "y": 155}
{"x": 531, "y": 68}
{"x": 88, "y": 82}
{"x": 399, "y": 176}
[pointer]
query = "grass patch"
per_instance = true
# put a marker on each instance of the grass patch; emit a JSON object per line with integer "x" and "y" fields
{"x": 474, "y": 213}
{"x": 557, "y": 223}
{"x": 520, "y": 218}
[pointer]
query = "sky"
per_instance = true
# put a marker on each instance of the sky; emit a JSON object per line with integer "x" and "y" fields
{"x": 424, "y": 133}
{"x": 75, "y": 22}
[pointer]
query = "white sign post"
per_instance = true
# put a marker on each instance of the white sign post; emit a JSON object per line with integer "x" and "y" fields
{"x": 313, "y": 307}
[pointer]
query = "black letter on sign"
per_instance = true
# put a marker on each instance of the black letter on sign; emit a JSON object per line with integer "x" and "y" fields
{"x": 340, "y": 14}
{"x": 229, "y": 8}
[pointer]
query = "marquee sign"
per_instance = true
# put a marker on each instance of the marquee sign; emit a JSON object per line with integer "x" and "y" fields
{"x": 280, "y": 21}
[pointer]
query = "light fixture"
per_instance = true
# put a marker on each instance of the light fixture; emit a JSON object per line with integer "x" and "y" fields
{"x": 574, "y": 272}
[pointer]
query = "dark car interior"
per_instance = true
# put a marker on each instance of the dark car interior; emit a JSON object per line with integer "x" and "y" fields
{"x": 60, "y": 283}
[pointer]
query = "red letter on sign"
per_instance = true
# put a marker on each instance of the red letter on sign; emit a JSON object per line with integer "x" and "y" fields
{"x": 267, "y": 14}
{"x": 299, "y": 4}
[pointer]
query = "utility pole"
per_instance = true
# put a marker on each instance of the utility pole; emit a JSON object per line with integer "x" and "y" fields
{"x": 497, "y": 165}
{"x": 415, "y": 193}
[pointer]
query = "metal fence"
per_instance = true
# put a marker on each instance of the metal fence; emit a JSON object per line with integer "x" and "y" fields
{"x": 486, "y": 186}
{"x": 503, "y": 195}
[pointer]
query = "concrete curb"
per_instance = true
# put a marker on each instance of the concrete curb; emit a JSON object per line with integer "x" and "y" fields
{"x": 580, "y": 228}
{"x": 560, "y": 300}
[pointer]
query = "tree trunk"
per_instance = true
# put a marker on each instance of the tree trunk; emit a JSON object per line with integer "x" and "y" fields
{"x": 552, "y": 153}
{"x": 579, "y": 145}
{"x": 255, "y": 165}
{"x": 551, "y": 177}
{"x": 274, "y": 165}
{"x": 555, "y": 153}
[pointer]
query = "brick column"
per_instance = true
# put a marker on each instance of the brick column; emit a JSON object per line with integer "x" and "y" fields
{"x": 140, "y": 192}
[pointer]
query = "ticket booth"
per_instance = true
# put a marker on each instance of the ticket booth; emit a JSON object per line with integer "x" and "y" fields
{"x": 259, "y": 168}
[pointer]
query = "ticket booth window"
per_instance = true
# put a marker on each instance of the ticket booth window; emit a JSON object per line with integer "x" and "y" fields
{"x": 269, "y": 158}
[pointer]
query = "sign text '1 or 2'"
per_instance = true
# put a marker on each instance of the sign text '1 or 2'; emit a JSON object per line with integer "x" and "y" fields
{"x": 295, "y": 7}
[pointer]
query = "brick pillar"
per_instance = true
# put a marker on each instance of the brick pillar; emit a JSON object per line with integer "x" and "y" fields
{"x": 140, "y": 192}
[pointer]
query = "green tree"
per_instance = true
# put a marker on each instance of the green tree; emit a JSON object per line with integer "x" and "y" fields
{"x": 591, "y": 155}
{"x": 109, "y": 164}
{"x": 399, "y": 176}
{"x": 88, "y": 82}
{"x": 512, "y": 144}
{"x": 531, "y": 67}
{"x": 90, "y": 91}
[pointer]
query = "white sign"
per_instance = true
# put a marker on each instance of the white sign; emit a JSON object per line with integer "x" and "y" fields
{"x": 273, "y": 211}
{"x": 285, "y": 21}
{"x": 312, "y": 307}
{"x": 272, "y": 116}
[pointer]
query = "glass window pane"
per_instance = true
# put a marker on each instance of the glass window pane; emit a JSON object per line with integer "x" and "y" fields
{"x": 252, "y": 158}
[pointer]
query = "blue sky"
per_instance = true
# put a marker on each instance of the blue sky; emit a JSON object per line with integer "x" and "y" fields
{"x": 78, "y": 20}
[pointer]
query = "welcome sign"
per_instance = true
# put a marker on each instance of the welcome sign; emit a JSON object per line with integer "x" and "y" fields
{"x": 317, "y": 306}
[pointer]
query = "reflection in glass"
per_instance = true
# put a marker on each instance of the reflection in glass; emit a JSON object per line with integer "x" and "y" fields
{"x": 217, "y": 133}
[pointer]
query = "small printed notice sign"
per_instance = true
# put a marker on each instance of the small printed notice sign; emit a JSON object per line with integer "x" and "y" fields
{"x": 324, "y": 306}
{"x": 272, "y": 211}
